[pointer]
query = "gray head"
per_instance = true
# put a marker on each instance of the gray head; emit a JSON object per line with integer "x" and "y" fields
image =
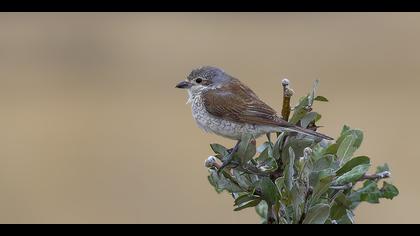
{"x": 204, "y": 77}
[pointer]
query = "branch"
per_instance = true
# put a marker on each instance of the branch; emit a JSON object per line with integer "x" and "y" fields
{"x": 285, "y": 112}
{"x": 271, "y": 215}
{"x": 375, "y": 177}
{"x": 211, "y": 162}
{"x": 378, "y": 176}
{"x": 287, "y": 94}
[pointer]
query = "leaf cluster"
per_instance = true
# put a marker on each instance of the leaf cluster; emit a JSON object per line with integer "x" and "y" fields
{"x": 295, "y": 179}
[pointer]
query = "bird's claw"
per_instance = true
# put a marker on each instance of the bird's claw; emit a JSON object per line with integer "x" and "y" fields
{"x": 226, "y": 163}
{"x": 228, "y": 159}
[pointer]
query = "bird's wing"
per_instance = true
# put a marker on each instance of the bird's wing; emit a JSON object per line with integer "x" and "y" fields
{"x": 236, "y": 102}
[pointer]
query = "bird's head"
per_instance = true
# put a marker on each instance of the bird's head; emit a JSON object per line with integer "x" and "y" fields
{"x": 203, "y": 78}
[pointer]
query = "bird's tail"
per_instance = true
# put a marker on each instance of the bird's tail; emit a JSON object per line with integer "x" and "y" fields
{"x": 308, "y": 132}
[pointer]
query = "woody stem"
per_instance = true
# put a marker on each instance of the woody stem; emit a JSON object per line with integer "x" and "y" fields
{"x": 287, "y": 94}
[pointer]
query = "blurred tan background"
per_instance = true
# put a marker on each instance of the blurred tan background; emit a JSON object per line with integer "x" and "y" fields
{"x": 92, "y": 129}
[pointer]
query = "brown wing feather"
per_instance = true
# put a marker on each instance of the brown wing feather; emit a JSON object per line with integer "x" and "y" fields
{"x": 236, "y": 102}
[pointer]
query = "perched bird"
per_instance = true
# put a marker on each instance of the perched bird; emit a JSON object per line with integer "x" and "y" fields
{"x": 223, "y": 105}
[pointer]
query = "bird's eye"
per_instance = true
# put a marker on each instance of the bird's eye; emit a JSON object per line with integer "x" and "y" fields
{"x": 198, "y": 80}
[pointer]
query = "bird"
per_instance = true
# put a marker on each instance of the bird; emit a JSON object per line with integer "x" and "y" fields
{"x": 223, "y": 105}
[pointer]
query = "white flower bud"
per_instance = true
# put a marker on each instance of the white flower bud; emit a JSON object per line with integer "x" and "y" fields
{"x": 210, "y": 162}
{"x": 307, "y": 151}
{"x": 385, "y": 174}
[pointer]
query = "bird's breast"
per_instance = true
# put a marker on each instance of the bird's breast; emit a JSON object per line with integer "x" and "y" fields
{"x": 220, "y": 126}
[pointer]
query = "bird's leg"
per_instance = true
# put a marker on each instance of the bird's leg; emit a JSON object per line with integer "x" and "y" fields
{"x": 228, "y": 158}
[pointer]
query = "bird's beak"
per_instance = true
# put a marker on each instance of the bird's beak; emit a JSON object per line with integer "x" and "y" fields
{"x": 184, "y": 84}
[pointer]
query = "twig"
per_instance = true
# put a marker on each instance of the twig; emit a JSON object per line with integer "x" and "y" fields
{"x": 249, "y": 169}
{"x": 271, "y": 216}
{"x": 342, "y": 187}
{"x": 378, "y": 176}
{"x": 285, "y": 112}
{"x": 287, "y": 94}
{"x": 375, "y": 177}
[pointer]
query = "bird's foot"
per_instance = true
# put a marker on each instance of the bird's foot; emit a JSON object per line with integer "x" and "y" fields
{"x": 228, "y": 162}
{"x": 228, "y": 159}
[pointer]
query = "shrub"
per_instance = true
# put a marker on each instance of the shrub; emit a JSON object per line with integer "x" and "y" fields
{"x": 297, "y": 180}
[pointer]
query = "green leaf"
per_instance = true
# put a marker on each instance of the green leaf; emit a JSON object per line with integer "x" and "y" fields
{"x": 268, "y": 166}
{"x": 244, "y": 180}
{"x": 278, "y": 145}
{"x": 269, "y": 190}
{"x": 313, "y": 92}
{"x": 323, "y": 163}
{"x": 316, "y": 176}
{"x": 261, "y": 209}
{"x": 308, "y": 118}
{"x": 220, "y": 183}
{"x": 214, "y": 184}
{"x": 344, "y": 130}
{"x": 389, "y": 191}
{"x": 263, "y": 155}
{"x": 368, "y": 193}
{"x": 331, "y": 149}
{"x": 318, "y": 152}
{"x": 340, "y": 206}
{"x": 265, "y": 163}
{"x": 290, "y": 171}
{"x": 352, "y": 176}
{"x": 247, "y": 149}
{"x": 372, "y": 197}
{"x": 244, "y": 199}
{"x": 298, "y": 145}
{"x": 254, "y": 179}
{"x": 321, "y": 187}
{"x": 318, "y": 117}
{"x": 383, "y": 168}
{"x": 368, "y": 186}
{"x": 318, "y": 214}
{"x": 349, "y": 141}
{"x": 300, "y": 111}
{"x": 219, "y": 149}
{"x": 347, "y": 218}
{"x": 280, "y": 184}
{"x": 298, "y": 199}
{"x": 247, "y": 205}
{"x": 321, "y": 99}
{"x": 358, "y": 136}
{"x": 360, "y": 160}
{"x": 346, "y": 149}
